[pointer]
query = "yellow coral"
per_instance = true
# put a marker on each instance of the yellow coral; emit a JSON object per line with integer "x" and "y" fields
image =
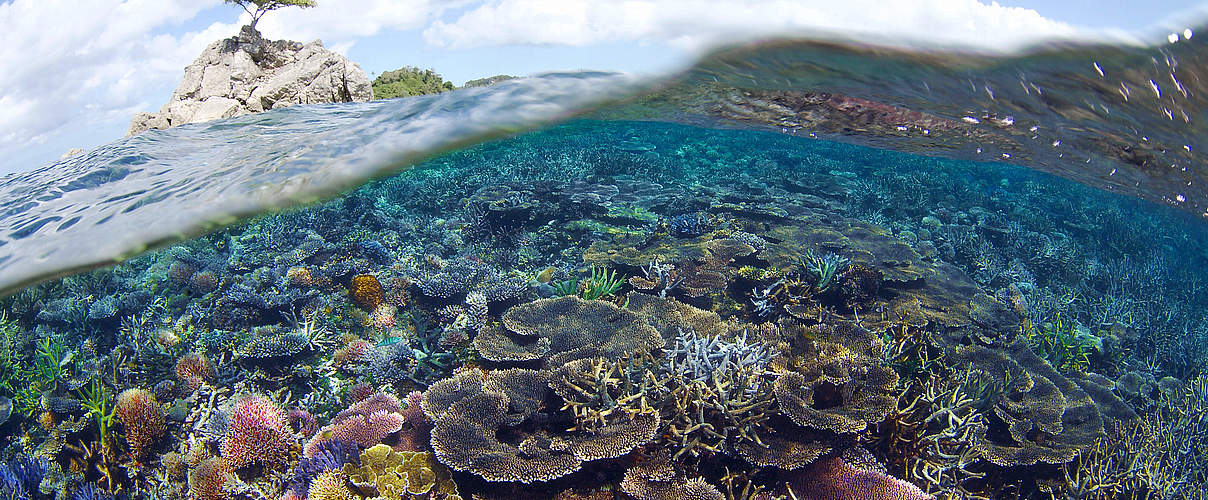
{"x": 366, "y": 292}
{"x": 400, "y": 475}
{"x": 329, "y": 485}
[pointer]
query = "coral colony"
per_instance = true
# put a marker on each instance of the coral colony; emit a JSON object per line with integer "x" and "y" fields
{"x": 714, "y": 315}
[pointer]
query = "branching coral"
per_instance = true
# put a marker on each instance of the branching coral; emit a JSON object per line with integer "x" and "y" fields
{"x": 258, "y": 433}
{"x": 142, "y": 420}
{"x": 194, "y": 369}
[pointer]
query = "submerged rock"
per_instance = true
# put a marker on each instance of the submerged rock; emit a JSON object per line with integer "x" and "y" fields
{"x": 247, "y": 74}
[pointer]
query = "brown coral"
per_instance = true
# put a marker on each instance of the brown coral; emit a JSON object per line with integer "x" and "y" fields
{"x": 142, "y": 419}
{"x": 366, "y": 292}
{"x": 212, "y": 479}
{"x": 657, "y": 479}
{"x": 329, "y": 485}
{"x": 565, "y": 329}
{"x": 835, "y": 382}
{"x": 491, "y": 424}
{"x": 1044, "y": 416}
{"x": 194, "y": 369}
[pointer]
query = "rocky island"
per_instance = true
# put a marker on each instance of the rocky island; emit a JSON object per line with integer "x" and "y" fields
{"x": 249, "y": 74}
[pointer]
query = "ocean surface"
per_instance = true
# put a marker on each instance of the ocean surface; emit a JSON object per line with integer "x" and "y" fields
{"x": 797, "y": 269}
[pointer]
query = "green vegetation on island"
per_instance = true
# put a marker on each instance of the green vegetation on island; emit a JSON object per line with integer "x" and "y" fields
{"x": 490, "y": 80}
{"x": 409, "y": 81}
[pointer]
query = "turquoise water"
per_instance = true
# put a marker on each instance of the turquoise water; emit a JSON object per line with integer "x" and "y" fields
{"x": 746, "y": 281}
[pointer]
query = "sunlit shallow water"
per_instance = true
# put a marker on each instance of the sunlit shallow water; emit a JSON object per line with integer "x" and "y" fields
{"x": 704, "y": 287}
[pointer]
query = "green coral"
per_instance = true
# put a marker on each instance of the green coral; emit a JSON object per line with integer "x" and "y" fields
{"x": 600, "y": 284}
{"x": 400, "y": 475}
{"x": 824, "y": 268}
{"x": 1058, "y": 342}
{"x": 24, "y": 379}
{"x": 98, "y": 400}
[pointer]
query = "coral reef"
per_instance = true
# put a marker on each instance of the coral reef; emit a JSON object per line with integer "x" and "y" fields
{"x": 659, "y": 312}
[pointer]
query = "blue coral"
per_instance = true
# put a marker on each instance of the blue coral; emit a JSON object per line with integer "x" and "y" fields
{"x": 688, "y": 225}
{"x": 20, "y": 476}
{"x": 90, "y": 491}
{"x": 332, "y": 455}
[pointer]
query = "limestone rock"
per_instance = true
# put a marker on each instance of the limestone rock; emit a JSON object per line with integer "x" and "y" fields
{"x": 248, "y": 74}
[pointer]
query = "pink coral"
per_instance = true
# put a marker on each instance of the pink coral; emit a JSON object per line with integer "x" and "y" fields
{"x": 258, "y": 433}
{"x": 834, "y": 479}
{"x": 303, "y": 421}
{"x": 365, "y": 423}
{"x": 417, "y": 428}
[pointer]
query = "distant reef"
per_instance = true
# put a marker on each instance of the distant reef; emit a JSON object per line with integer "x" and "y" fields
{"x": 248, "y": 74}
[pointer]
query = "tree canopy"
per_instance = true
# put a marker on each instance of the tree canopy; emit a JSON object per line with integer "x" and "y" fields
{"x": 257, "y": 8}
{"x": 409, "y": 81}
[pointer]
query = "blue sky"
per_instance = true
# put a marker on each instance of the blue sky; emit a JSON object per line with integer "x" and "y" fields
{"x": 78, "y": 86}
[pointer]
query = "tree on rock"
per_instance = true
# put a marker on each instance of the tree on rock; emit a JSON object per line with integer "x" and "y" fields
{"x": 257, "y": 8}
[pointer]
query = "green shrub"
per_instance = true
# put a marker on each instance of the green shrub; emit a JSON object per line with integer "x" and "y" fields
{"x": 409, "y": 81}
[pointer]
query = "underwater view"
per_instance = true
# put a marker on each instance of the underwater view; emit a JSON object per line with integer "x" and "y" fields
{"x": 799, "y": 269}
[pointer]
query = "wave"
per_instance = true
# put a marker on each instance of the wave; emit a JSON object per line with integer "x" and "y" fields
{"x": 1119, "y": 117}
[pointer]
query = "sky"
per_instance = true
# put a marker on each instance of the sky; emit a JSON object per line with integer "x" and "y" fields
{"x": 73, "y": 72}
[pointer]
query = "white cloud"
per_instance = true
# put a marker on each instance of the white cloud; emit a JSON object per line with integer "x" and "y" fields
{"x": 341, "y": 22}
{"x": 68, "y": 62}
{"x": 698, "y": 24}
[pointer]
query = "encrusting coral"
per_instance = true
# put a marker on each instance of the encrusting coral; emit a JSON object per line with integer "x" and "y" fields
{"x": 387, "y": 474}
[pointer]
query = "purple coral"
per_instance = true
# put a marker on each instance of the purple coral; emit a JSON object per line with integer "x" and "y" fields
{"x": 365, "y": 423}
{"x": 834, "y": 479}
{"x": 331, "y": 454}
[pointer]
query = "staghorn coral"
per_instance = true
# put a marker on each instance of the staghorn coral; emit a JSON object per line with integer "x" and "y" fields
{"x": 258, "y": 433}
{"x": 835, "y": 381}
{"x": 366, "y": 292}
{"x": 365, "y": 423}
{"x": 491, "y": 424}
{"x": 142, "y": 419}
{"x": 387, "y": 474}
{"x": 564, "y": 329}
